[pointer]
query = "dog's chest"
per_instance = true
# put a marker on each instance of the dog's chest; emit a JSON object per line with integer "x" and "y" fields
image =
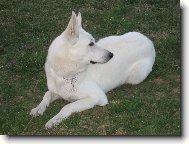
{"x": 70, "y": 83}
{"x": 67, "y": 87}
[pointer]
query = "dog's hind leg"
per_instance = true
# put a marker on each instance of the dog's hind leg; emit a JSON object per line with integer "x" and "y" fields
{"x": 66, "y": 111}
{"x": 47, "y": 99}
{"x": 139, "y": 71}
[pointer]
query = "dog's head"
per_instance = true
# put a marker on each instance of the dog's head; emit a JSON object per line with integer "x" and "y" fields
{"x": 81, "y": 45}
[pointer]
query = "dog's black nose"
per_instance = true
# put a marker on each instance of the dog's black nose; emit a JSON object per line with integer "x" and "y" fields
{"x": 110, "y": 55}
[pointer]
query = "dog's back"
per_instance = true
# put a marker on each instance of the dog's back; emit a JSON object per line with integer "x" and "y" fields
{"x": 134, "y": 56}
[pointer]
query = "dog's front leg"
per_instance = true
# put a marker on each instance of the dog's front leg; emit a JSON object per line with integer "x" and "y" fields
{"x": 66, "y": 111}
{"x": 48, "y": 98}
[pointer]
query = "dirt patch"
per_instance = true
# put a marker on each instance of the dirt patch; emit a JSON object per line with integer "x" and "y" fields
{"x": 158, "y": 81}
{"x": 176, "y": 90}
{"x": 160, "y": 95}
{"x": 120, "y": 131}
{"x": 102, "y": 129}
{"x": 159, "y": 35}
{"x": 115, "y": 101}
{"x": 175, "y": 77}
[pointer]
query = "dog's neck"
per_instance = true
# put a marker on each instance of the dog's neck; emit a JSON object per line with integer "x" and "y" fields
{"x": 68, "y": 75}
{"x": 72, "y": 80}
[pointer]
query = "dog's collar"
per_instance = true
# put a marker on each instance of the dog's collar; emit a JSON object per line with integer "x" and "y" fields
{"x": 72, "y": 79}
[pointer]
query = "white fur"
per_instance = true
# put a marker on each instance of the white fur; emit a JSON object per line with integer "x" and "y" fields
{"x": 71, "y": 76}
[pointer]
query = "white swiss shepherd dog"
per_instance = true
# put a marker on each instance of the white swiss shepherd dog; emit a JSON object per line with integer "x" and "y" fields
{"x": 81, "y": 71}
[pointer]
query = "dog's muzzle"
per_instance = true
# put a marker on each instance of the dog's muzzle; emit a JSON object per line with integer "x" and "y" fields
{"x": 108, "y": 57}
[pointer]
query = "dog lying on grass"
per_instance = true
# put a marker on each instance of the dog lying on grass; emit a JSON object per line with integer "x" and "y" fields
{"x": 81, "y": 71}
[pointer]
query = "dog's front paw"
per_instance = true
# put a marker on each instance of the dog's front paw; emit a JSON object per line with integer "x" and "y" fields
{"x": 52, "y": 122}
{"x": 37, "y": 111}
{"x": 103, "y": 101}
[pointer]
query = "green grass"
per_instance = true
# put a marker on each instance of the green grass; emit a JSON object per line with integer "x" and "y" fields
{"x": 27, "y": 29}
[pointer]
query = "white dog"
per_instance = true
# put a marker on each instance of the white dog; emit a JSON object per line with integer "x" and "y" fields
{"x": 82, "y": 71}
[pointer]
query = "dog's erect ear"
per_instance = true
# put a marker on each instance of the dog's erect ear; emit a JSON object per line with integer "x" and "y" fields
{"x": 72, "y": 30}
{"x": 79, "y": 19}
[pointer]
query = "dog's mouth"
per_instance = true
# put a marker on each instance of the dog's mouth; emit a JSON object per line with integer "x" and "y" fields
{"x": 93, "y": 62}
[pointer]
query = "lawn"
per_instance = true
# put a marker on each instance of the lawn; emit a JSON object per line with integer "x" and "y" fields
{"x": 28, "y": 28}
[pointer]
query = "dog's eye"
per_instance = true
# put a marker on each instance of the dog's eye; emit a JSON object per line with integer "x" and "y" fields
{"x": 91, "y": 44}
